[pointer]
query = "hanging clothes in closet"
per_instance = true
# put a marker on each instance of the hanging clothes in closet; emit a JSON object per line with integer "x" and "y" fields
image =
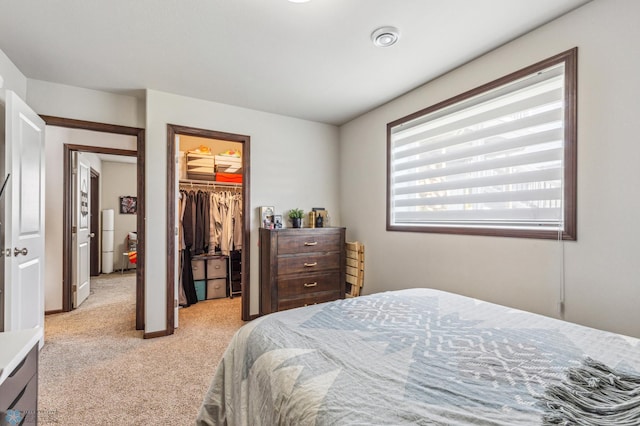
{"x": 211, "y": 222}
{"x": 187, "y": 287}
{"x": 225, "y": 232}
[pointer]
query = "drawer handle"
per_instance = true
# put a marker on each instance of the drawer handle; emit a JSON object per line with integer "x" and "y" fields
{"x": 314, "y": 243}
{"x": 18, "y": 367}
{"x": 310, "y": 284}
{"x": 308, "y": 265}
{"x": 19, "y": 397}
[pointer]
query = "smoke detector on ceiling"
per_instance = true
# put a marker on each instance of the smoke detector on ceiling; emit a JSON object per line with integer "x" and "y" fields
{"x": 385, "y": 36}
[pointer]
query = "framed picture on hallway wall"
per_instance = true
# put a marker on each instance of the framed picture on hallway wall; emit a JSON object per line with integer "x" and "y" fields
{"x": 128, "y": 204}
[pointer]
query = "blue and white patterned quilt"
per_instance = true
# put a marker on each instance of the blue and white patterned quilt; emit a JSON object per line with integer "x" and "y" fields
{"x": 417, "y": 356}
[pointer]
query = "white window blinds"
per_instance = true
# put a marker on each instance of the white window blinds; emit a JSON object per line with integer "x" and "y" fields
{"x": 495, "y": 160}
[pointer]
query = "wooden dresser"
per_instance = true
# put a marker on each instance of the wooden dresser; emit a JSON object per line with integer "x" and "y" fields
{"x": 300, "y": 266}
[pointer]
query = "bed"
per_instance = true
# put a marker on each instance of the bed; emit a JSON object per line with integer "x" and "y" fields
{"x": 416, "y": 356}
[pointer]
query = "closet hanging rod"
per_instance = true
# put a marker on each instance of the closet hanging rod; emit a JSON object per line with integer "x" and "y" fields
{"x": 208, "y": 184}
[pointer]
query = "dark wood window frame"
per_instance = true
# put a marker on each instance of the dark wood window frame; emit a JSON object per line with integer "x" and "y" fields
{"x": 570, "y": 59}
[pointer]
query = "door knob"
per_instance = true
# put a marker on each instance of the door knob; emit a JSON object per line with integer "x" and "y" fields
{"x": 17, "y": 251}
{"x": 91, "y": 235}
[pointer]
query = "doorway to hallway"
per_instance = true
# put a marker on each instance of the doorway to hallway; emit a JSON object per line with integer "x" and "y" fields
{"x": 101, "y": 128}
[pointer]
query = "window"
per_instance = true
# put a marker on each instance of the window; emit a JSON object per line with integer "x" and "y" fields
{"x": 498, "y": 160}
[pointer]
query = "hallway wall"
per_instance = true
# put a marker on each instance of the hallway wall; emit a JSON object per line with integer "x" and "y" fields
{"x": 55, "y": 138}
{"x": 119, "y": 179}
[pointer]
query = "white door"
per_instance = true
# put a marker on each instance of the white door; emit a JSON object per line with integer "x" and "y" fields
{"x": 81, "y": 229}
{"x": 23, "y": 216}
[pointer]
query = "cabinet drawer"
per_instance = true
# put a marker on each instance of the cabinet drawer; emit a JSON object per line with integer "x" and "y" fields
{"x": 309, "y": 300}
{"x": 26, "y": 403}
{"x": 308, "y": 263}
{"x": 18, "y": 379}
{"x": 308, "y": 242}
{"x": 216, "y": 288}
{"x": 201, "y": 289}
{"x": 302, "y": 285}
{"x": 217, "y": 268}
{"x": 197, "y": 266}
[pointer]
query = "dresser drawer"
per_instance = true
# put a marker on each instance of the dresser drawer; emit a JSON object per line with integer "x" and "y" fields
{"x": 311, "y": 299}
{"x": 301, "y": 285}
{"x": 18, "y": 379}
{"x": 308, "y": 263}
{"x": 308, "y": 242}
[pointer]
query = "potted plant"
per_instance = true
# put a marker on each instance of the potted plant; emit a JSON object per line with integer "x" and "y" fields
{"x": 296, "y": 217}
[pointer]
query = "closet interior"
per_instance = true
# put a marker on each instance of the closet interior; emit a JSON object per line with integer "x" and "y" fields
{"x": 210, "y": 219}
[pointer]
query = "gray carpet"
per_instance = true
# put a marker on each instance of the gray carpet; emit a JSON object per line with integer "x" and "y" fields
{"x": 95, "y": 368}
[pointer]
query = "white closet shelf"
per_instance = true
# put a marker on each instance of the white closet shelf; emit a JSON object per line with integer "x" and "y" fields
{"x": 228, "y": 164}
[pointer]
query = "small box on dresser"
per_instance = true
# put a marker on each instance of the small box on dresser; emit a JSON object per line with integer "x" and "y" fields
{"x": 300, "y": 267}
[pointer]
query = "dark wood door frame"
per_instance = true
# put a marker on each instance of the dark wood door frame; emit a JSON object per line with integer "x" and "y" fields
{"x": 67, "y": 210}
{"x": 172, "y": 131}
{"x": 94, "y": 270}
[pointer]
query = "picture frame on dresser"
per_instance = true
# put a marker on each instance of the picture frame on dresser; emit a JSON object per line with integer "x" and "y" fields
{"x": 321, "y": 217}
{"x": 266, "y": 216}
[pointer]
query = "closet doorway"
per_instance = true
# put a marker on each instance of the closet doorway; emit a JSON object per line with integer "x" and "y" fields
{"x": 207, "y": 175}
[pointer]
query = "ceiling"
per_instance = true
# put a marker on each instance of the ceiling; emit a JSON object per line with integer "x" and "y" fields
{"x": 312, "y": 60}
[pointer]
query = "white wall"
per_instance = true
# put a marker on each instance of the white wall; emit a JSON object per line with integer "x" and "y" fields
{"x": 294, "y": 163}
{"x": 11, "y": 78}
{"x": 601, "y": 267}
{"x": 64, "y": 101}
{"x": 119, "y": 179}
{"x": 55, "y": 138}
{"x": 287, "y": 154}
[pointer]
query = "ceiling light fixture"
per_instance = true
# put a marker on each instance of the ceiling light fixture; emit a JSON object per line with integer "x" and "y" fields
{"x": 385, "y": 36}
{"x": 298, "y": 1}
